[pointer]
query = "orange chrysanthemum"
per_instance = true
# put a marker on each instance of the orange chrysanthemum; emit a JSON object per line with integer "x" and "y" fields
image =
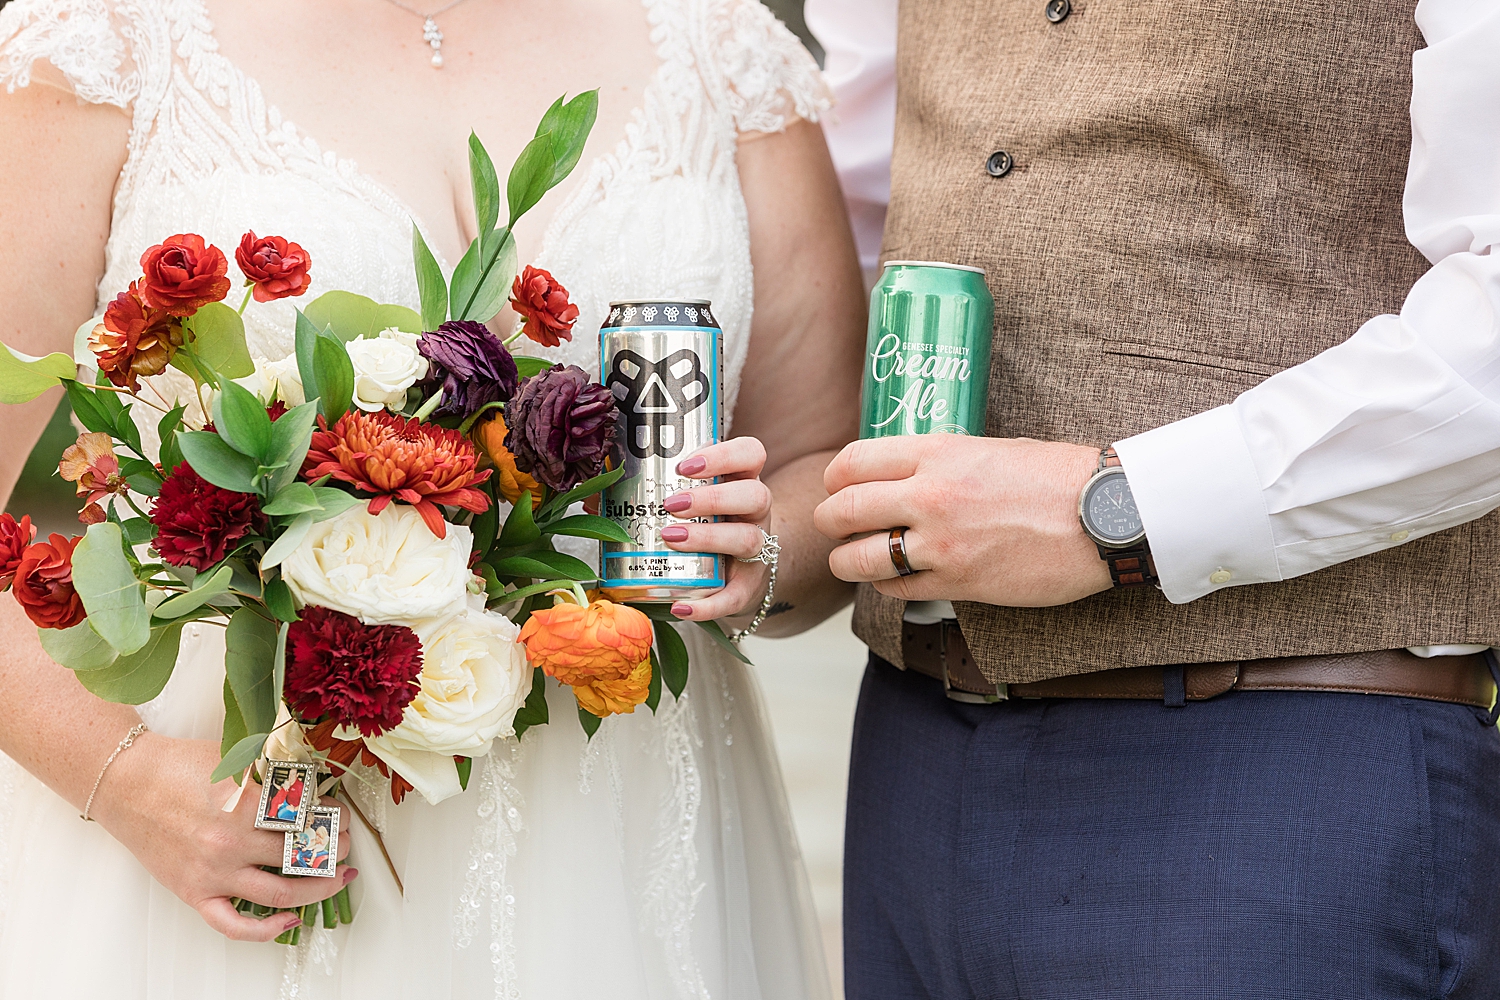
{"x": 509, "y": 480}
{"x": 605, "y": 698}
{"x": 577, "y": 645}
{"x": 399, "y": 459}
{"x": 342, "y": 754}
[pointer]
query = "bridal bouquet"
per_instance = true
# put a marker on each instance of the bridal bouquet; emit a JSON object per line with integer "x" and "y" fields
{"x": 338, "y": 513}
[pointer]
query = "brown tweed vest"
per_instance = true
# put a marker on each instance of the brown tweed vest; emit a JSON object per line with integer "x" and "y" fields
{"x": 1201, "y": 195}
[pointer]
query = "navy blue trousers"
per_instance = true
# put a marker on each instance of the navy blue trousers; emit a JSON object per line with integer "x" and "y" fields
{"x": 1258, "y": 845}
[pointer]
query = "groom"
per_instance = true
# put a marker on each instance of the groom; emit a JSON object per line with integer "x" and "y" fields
{"x": 1212, "y": 716}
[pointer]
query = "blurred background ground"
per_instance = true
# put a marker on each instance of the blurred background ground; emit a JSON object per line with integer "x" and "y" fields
{"x": 810, "y": 681}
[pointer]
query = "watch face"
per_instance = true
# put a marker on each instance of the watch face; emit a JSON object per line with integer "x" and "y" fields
{"x": 1109, "y": 509}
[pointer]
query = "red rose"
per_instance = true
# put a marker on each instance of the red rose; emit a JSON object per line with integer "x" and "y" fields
{"x": 536, "y": 296}
{"x": 43, "y": 583}
{"x": 14, "y": 537}
{"x": 197, "y": 523}
{"x": 183, "y": 274}
{"x": 278, "y": 269}
{"x": 360, "y": 676}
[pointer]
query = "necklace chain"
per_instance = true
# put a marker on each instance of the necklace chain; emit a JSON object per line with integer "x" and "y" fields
{"x": 431, "y": 34}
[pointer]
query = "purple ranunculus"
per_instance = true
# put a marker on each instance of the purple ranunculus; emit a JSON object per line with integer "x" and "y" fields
{"x": 470, "y": 365}
{"x": 562, "y": 426}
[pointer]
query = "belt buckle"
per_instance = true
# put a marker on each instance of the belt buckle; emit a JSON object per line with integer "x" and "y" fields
{"x": 1002, "y": 691}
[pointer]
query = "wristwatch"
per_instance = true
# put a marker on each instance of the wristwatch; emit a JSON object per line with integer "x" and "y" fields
{"x": 1106, "y": 507}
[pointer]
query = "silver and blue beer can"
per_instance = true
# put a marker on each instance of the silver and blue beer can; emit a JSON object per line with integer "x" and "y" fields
{"x": 664, "y": 363}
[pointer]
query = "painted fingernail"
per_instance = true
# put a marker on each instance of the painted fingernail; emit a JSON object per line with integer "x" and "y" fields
{"x": 677, "y": 502}
{"x": 682, "y": 610}
{"x": 692, "y": 466}
{"x": 295, "y": 921}
{"x": 675, "y": 533}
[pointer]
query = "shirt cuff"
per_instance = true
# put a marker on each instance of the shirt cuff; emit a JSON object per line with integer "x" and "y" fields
{"x": 1200, "y": 500}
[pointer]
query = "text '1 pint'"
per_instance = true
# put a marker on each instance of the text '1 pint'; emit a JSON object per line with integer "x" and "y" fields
{"x": 927, "y": 357}
{"x": 664, "y": 363}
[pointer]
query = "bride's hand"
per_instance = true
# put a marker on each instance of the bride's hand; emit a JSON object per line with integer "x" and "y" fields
{"x": 157, "y": 801}
{"x": 744, "y": 503}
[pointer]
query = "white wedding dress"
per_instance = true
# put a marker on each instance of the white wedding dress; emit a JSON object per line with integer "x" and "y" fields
{"x": 656, "y": 862}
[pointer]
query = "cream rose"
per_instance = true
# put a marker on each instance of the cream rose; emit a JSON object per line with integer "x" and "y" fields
{"x": 381, "y": 569}
{"x": 384, "y": 368}
{"x": 276, "y": 379}
{"x": 474, "y": 679}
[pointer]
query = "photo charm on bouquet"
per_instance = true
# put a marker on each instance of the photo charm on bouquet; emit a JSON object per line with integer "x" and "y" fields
{"x": 313, "y": 850}
{"x": 287, "y": 795}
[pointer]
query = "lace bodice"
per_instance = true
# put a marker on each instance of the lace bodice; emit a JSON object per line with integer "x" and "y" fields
{"x": 661, "y": 216}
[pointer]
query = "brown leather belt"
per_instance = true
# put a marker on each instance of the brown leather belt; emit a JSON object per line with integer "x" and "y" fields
{"x": 940, "y": 652}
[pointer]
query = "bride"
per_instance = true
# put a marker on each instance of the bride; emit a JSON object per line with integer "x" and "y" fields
{"x": 656, "y": 861}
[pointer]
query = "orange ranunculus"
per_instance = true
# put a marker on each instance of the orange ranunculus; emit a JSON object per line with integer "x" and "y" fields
{"x": 619, "y": 697}
{"x": 543, "y": 303}
{"x": 135, "y": 338}
{"x": 509, "y": 480}
{"x": 183, "y": 274}
{"x": 577, "y": 645}
{"x": 43, "y": 583}
{"x": 91, "y": 463}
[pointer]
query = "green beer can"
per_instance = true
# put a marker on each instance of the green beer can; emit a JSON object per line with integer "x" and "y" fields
{"x": 927, "y": 356}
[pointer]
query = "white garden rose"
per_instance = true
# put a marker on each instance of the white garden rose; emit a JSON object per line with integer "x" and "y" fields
{"x": 382, "y": 569}
{"x": 384, "y": 368}
{"x": 474, "y": 679}
{"x": 276, "y": 380}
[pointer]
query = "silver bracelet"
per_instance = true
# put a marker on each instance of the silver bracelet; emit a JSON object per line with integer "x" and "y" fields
{"x": 769, "y": 555}
{"x": 125, "y": 744}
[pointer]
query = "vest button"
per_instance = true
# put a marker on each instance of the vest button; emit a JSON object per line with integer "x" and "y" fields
{"x": 999, "y": 163}
{"x": 1057, "y": 10}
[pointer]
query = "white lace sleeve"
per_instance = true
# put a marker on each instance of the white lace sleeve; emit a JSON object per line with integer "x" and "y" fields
{"x": 771, "y": 78}
{"x": 83, "y": 39}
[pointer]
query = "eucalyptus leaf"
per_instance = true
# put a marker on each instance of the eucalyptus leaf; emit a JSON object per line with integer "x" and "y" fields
{"x": 139, "y": 677}
{"x": 249, "y": 663}
{"x": 234, "y": 723}
{"x": 244, "y": 753}
{"x": 205, "y": 589}
{"x": 350, "y": 316}
{"x": 279, "y": 601}
{"x": 242, "y": 421}
{"x": 335, "y": 378}
{"x": 520, "y": 527}
{"x": 589, "y": 526}
{"x": 431, "y": 285}
{"x": 77, "y": 648}
{"x": 294, "y": 498}
{"x": 108, "y": 587}
{"x": 589, "y": 721}
{"x": 219, "y": 340}
{"x": 215, "y": 461}
{"x": 24, "y": 378}
{"x": 486, "y": 186}
{"x": 287, "y": 543}
{"x": 672, "y": 652}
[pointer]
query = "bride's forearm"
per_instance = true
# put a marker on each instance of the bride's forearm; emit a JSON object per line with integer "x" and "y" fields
{"x": 49, "y": 724}
{"x": 807, "y": 592}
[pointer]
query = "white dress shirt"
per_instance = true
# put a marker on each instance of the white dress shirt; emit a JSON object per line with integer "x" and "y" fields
{"x": 1391, "y": 435}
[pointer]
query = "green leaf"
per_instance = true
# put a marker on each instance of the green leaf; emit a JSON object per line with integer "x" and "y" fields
{"x": 431, "y": 284}
{"x": 530, "y": 177}
{"x": 110, "y": 592}
{"x": 564, "y": 565}
{"x": 570, "y": 125}
{"x": 335, "y": 378}
{"x": 139, "y": 677}
{"x": 215, "y": 461}
{"x": 465, "y": 767}
{"x": 474, "y": 418}
{"x": 523, "y": 566}
{"x": 534, "y": 712}
{"x": 332, "y": 502}
{"x": 279, "y": 602}
{"x": 88, "y": 408}
{"x": 485, "y": 526}
{"x": 24, "y": 378}
{"x": 486, "y": 186}
{"x": 140, "y": 470}
{"x": 290, "y": 437}
{"x": 287, "y": 543}
{"x": 234, "y": 723}
{"x": 492, "y": 585}
{"x": 528, "y": 367}
{"x": 278, "y": 670}
{"x": 524, "y": 592}
{"x": 589, "y": 721}
{"x": 242, "y": 421}
{"x": 673, "y": 654}
{"x": 125, "y": 428}
{"x": 294, "y": 498}
{"x": 582, "y": 491}
{"x": 186, "y": 360}
{"x": 495, "y": 280}
{"x": 588, "y": 526}
{"x": 219, "y": 340}
{"x": 520, "y": 527}
{"x": 249, "y": 663}
{"x": 206, "y": 588}
{"x": 656, "y": 612}
{"x": 716, "y": 632}
{"x": 244, "y": 753}
{"x": 653, "y": 693}
{"x": 171, "y": 453}
{"x": 137, "y": 531}
{"x": 77, "y": 648}
{"x": 306, "y": 338}
{"x": 352, "y": 316}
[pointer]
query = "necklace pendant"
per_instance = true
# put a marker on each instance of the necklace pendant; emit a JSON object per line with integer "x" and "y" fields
{"x": 433, "y": 37}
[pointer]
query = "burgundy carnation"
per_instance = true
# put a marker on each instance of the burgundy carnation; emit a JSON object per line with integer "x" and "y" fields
{"x": 197, "y": 523}
{"x": 562, "y": 426}
{"x": 359, "y": 675}
{"x": 470, "y": 365}
{"x": 14, "y": 537}
{"x": 275, "y": 266}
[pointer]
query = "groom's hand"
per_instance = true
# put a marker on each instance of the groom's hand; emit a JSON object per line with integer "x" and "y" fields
{"x": 993, "y": 520}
